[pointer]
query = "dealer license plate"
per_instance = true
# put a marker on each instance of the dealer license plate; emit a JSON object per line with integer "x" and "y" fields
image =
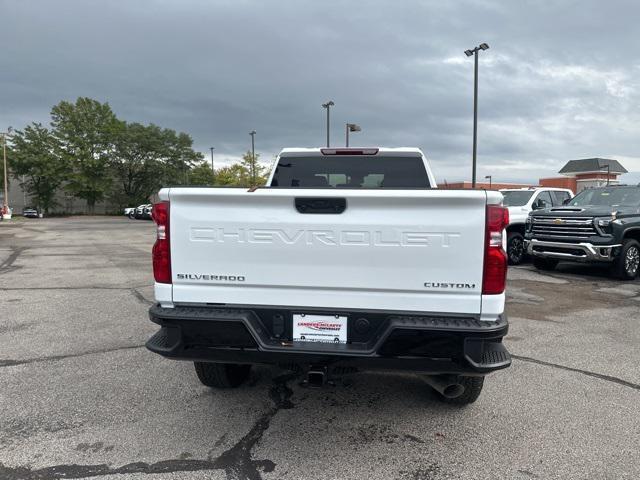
{"x": 319, "y": 328}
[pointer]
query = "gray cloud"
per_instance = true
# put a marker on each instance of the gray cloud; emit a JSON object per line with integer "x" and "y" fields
{"x": 559, "y": 82}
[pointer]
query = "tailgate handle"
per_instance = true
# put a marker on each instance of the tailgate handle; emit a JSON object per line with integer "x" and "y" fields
{"x": 321, "y": 205}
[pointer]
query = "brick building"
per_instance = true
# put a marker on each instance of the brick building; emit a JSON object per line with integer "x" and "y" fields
{"x": 576, "y": 176}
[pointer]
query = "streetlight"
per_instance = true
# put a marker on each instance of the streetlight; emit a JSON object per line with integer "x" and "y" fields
{"x": 212, "y": 170}
{"x": 352, "y": 127}
{"x": 489, "y": 177}
{"x": 5, "y": 205}
{"x": 253, "y": 158}
{"x": 328, "y": 105}
{"x": 468, "y": 53}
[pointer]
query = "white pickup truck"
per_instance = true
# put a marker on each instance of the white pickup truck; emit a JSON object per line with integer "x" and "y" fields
{"x": 349, "y": 259}
{"x": 521, "y": 202}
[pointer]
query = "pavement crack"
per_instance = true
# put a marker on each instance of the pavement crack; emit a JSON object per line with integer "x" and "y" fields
{"x": 7, "y": 265}
{"x": 13, "y": 363}
{"x": 140, "y": 297}
{"x": 601, "y": 376}
{"x": 84, "y": 471}
{"x": 236, "y": 462}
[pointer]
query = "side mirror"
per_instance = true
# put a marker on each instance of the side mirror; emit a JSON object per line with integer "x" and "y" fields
{"x": 566, "y": 201}
{"x": 539, "y": 204}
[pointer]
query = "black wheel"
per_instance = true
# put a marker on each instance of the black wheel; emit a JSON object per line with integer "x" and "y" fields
{"x": 472, "y": 389}
{"x": 515, "y": 248}
{"x": 222, "y": 375}
{"x": 131, "y": 215}
{"x": 626, "y": 264}
{"x": 545, "y": 263}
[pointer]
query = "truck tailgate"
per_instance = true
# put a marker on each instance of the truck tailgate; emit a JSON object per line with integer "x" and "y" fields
{"x": 400, "y": 250}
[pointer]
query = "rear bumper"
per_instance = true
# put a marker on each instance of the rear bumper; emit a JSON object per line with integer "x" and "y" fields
{"x": 576, "y": 252}
{"x": 429, "y": 344}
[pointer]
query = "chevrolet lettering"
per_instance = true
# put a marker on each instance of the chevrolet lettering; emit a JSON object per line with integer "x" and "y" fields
{"x": 376, "y": 238}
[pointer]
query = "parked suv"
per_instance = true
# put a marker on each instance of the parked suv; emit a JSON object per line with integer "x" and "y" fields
{"x": 521, "y": 202}
{"x": 599, "y": 225}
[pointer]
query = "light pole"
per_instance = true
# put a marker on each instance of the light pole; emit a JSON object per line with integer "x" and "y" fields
{"x": 468, "y": 53}
{"x": 5, "y": 204}
{"x": 489, "y": 177}
{"x": 253, "y": 158}
{"x": 328, "y": 106}
{"x": 212, "y": 170}
{"x": 352, "y": 127}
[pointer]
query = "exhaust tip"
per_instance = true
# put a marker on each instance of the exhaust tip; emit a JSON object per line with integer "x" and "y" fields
{"x": 453, "y": 391}
{"x": 448, "y": 386}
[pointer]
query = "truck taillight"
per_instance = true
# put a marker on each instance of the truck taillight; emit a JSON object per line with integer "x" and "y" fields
{"x": 161, "y": 252}
{"x": 494, "y": 275}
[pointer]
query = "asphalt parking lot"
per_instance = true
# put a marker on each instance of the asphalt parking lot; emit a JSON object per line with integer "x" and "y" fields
{"x": 81, "y": 397}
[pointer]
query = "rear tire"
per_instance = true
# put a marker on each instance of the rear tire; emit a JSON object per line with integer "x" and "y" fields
{"x": 222, "y": 375}
{"x": 472, "y": 389}
{"x": 626, "y": 264}
{"x": 546, "y": 264}
{"x": 515, "y": 248}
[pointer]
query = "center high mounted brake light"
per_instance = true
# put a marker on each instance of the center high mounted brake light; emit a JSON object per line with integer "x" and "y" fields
{"x": 161, "y": 253}
{"x": 349, "y": 151}
{"x": 494, "y": 274}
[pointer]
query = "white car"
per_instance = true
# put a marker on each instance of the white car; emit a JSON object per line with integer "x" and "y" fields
{"x": 521, "y": 202}
{"x": 349, "y": 257}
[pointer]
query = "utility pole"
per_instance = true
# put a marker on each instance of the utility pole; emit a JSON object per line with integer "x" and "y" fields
{"x": 253, "y": 158}
{"x": 5, "y": 200}
{"x": 328, "y": 106}
{"x": 212, "y": 170}
{"x": 489, "y": 177}
{"x": 468, "y": 53}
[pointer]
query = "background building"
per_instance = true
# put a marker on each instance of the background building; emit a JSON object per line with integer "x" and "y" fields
{"x": 585, "y": 173}
{"x": 576, "y": 176}
{"x": 66, "y": 204}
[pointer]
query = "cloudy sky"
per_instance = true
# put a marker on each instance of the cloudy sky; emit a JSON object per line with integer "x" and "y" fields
{"x": 560, "y": 81}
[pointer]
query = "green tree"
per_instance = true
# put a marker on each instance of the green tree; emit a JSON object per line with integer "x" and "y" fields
{"x": 146, "y": 158}
{"x": 256, "y": 172}
{"x": 178, "y": 157}
{"x": 240, "y": 174}
{"x": 85, "y": 132}
{"x": 35, "y": 162}
{"x": 201, "y": 174}
{"x": 234, "y": 175}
